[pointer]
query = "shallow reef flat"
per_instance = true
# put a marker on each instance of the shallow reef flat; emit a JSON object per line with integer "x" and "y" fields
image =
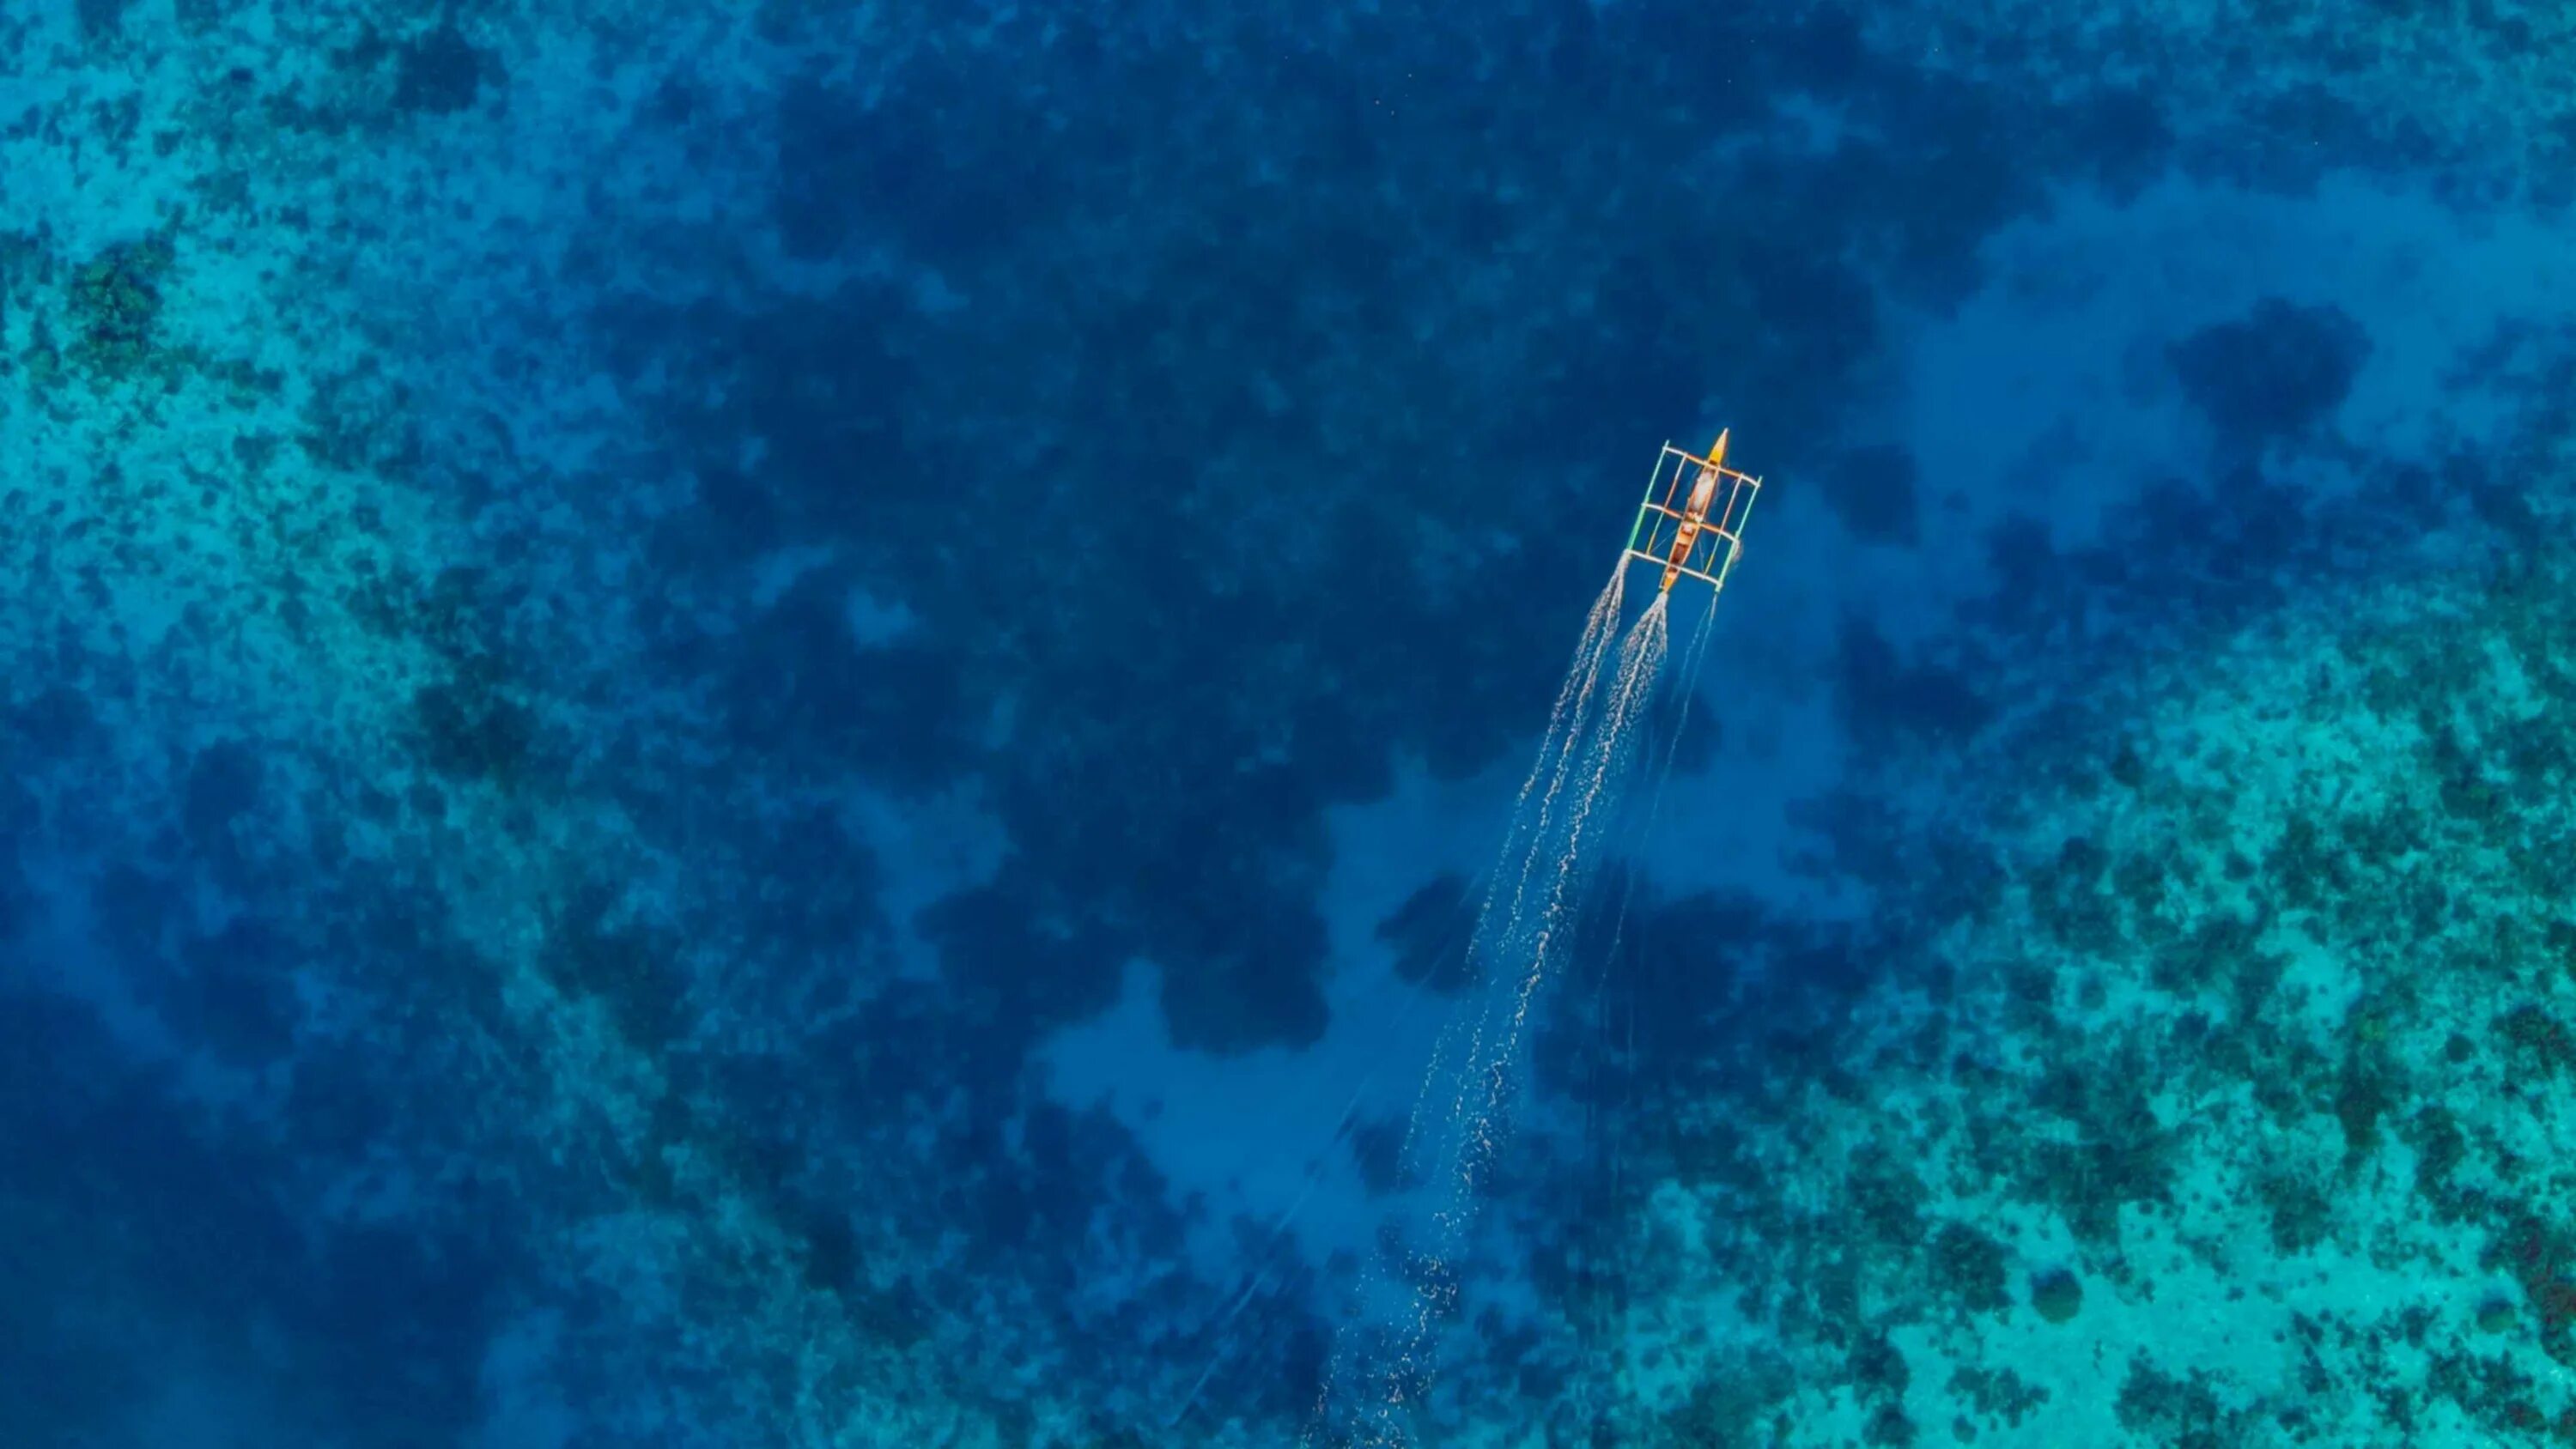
{"x": 2219, "y": 1096}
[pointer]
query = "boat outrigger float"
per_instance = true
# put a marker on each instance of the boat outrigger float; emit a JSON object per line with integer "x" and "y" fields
{"x": 1701, "y": 536}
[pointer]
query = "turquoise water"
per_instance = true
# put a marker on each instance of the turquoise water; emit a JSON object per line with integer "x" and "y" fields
{"x": 784, "y": 725}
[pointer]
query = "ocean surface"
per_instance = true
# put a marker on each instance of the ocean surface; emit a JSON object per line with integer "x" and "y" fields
{"x": 920, "y": 723}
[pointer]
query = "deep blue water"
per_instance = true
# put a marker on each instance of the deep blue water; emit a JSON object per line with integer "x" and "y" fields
{"x": 799, "y": 725}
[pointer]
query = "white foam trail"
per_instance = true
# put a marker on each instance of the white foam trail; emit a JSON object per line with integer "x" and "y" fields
{"x": 1526, "y": 833}
{"x": 1639, "y": 660}
{"x": 1521, "y": 930}
{"x": 1523, "y": 836}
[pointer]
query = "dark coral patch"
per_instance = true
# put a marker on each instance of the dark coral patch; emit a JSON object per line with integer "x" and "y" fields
{"x": 1259, "y": 993}
{"x": 1041, "y": 969}
{"x": 235, "y": 991}
{"x": 1873, "y": 491}
{"x": 223, "y": 784}
{"x": 441, "y": 72}
{"x": 1970, "y": 1266}
{"x": 1886, "y": 699}
{"x": 800, "y": 684}
{"x": 469, "y": 728}
{"x": 941, "y": 162}
{"x": 1429, "y": 934}
{"x": 1824, "y": 50}
{"x": 2122, "y": 134}
{"x": 2274, "y": 375}
{"x": 2057, "y": 1294}
{"x": 115, "y": 306}
{"x": 101, "y": 19}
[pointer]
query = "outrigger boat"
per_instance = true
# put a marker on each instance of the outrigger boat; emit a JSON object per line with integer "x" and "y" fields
{"x": 1701, "y": 535}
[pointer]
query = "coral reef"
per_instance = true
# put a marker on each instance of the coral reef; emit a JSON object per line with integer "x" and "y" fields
{"x": 623, "y": 616}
